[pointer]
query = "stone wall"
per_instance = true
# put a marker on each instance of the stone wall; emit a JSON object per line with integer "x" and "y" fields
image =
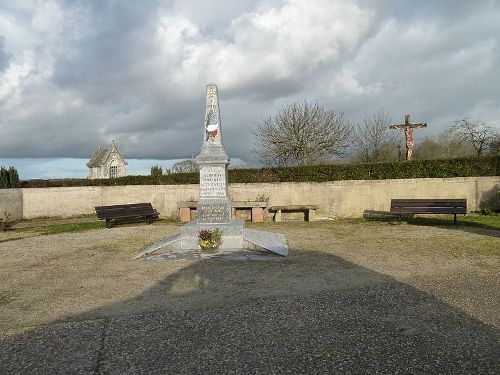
{"x": 335, "y": 199}
{"x": 11, "y": 204}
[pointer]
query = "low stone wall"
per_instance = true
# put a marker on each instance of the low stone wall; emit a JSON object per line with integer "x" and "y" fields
{"x": 335, "y": 199}
{"x": 11, "y": 204}
{"x": 353, "y": 198}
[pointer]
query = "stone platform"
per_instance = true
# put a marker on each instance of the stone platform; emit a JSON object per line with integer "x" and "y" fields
{"x": 226, "y": 254}
{"x": 251, "y": 244}
{"x": 232, "y": 233}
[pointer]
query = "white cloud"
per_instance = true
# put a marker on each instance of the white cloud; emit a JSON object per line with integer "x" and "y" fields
{"x": 272, "y": 43}
{"x": 80, "y": 73}
{"x": 47, "y": 17}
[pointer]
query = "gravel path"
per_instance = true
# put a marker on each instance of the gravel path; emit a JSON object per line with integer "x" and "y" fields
{"x": 350, "y": 298}
{"x": 387, "y": 329}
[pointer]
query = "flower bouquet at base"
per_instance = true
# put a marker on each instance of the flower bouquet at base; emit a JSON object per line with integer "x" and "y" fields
{"x": 210, "y": 240}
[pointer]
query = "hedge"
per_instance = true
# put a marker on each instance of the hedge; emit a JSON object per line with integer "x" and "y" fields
{"x": 459, "y": 167}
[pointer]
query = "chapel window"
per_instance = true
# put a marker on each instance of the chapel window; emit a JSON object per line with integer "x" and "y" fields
{"x": 113, "y": 171}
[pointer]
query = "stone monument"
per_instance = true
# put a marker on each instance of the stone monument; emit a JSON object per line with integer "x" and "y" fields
{"x": 214, "y": 204}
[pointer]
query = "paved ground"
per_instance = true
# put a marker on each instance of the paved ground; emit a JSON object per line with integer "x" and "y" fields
{"x": 349, "y": 302}
{"x": 386, "y": 329}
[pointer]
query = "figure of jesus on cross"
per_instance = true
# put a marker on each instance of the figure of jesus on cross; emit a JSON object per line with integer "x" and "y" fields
{"x": 408, "y": 129}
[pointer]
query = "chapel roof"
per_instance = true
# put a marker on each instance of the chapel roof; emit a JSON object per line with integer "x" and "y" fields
{"x": 100, "y": 155}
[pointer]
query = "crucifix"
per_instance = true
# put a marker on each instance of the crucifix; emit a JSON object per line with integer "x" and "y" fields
{"x": 408, "y": 129}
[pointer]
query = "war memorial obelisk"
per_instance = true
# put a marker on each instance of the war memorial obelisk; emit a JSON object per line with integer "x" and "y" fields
{"x": 214, "y": 205}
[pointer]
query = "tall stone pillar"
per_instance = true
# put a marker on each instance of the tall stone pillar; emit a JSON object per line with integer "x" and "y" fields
{"x": 214, "y": 205}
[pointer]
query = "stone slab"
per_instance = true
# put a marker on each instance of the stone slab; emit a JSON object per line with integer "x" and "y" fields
{"x": 225, "y": 255}
{"x": 257, "y": 214}
{"x": 273, "y": 242}
{"x": 214, "y": 211}
{"x": 185, "y": 214}
{"x": 169, "y": 243}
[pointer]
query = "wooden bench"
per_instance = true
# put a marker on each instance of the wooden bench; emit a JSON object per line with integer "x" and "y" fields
{"x": 124, "y": 212}
{"x": 407, "y": 207}
{"x": 308, "y": 210}
{"x": 256, "y": 208}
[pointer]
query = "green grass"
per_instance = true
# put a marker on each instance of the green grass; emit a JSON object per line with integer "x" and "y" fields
{"x": 84, "y": 226}
{"x": 477, "y": 221}
{"x": 472, "y": 220}
{"x": 66, "y": 228}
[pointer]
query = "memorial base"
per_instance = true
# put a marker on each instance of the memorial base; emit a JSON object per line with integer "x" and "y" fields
{"x": 234, "y": 235}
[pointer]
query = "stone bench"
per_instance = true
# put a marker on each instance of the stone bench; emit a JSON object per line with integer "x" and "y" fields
{"x": 256, "y": 208}
{"x": 309, "y": 211}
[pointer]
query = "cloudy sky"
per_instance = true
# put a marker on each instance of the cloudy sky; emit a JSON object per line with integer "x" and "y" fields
{"x": 77, "y": 73}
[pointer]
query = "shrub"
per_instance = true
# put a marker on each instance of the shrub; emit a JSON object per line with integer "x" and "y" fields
{"x": 440, "y": 168}
{"x": 5, "y": 223}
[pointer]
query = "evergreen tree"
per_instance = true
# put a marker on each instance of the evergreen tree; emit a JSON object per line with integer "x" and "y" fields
{"x": 156, "y": 170}
{"x": 13, "y": 177}
{"x": 4, "y": 178}
{"x": 9, "y": 178}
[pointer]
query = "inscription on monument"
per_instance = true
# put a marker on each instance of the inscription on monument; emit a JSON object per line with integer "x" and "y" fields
{"x": 213, "y": 213}
{"x": 212, "y": 181}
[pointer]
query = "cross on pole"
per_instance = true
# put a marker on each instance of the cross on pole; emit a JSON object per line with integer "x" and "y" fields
{"x": 408, "y": 129}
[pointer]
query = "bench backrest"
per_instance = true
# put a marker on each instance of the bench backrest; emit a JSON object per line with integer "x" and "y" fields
{"x": 121, "y": 210}
{"x": 423, "y": 206}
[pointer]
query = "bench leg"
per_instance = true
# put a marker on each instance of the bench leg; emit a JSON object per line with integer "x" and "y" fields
{"x": 108, "y": 223}
{"x": 310, "y": 215}
{"x": 277, "y": 216}
{"x": 257, "y": 214}
{"x": 185, "y": 214}
{"x": 455, "y": 219}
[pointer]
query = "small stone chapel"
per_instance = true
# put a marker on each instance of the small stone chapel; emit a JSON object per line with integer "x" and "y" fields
{"x": 106, "y": 163}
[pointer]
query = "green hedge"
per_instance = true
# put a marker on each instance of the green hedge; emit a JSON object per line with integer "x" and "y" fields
{"x": 460, "y": 167}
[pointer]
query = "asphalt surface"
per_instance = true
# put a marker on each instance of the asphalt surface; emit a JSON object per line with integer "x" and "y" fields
{"x": 388, "y": 329}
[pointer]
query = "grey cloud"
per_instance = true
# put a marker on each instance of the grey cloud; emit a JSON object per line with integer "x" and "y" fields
{"x": 118, "y": 80}
{"x": 4, "y": 55}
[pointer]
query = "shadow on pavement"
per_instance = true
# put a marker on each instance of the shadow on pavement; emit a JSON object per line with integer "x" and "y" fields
{"x": 209, "y": 318}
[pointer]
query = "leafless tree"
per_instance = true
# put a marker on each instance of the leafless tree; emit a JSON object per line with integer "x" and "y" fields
{"x": 183, "y": 166}
{"x": 300, "y": 134}
{"x": 442, "y": 146}
{"x": 495, "y": 144}
{"x": 374, "y": 141}
{"x": 474, "y": 132}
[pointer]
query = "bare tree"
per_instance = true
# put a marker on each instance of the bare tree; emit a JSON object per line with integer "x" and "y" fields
{"x": 495, "y": 144}
{"x": 183, "y": 166}
{"x": 301, "y": 134}
{"x": 476, "y": 133}
{"x": 374, "y": 141}
{"x": 442, "y": 146}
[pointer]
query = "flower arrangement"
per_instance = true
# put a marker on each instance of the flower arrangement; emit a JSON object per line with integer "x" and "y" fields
{"x": 210, "y": 240}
